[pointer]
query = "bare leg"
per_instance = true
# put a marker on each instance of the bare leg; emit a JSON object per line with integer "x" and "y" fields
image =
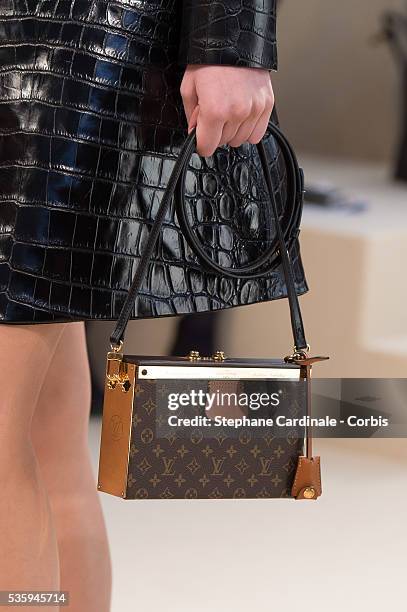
{"x": 29, "y": 554}
{"x": 60, "y": 437}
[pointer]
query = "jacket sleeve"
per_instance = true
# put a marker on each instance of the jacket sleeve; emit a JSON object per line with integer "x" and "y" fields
{"x": 229, "y": 32}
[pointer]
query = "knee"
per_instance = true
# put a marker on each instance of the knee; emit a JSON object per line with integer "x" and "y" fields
{"x": 18, "y": 464}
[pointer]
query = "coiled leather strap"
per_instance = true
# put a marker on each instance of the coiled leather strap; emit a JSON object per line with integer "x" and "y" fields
{"x": 250, "y": 271}
{"x": 292, "y": 209}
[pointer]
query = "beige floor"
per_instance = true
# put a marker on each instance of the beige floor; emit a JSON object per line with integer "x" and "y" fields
{"x": 348, "y": 551}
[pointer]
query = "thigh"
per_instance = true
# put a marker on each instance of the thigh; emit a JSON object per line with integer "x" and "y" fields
{"x": 26, "y": 353}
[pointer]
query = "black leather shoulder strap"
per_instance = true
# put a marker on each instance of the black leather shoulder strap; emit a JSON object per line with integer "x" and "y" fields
{"x": 188, "y": 148}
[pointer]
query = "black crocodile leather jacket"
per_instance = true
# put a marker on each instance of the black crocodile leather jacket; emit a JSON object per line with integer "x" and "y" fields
{"x": 235, "y": 32}
{"x": 91, "y": 120}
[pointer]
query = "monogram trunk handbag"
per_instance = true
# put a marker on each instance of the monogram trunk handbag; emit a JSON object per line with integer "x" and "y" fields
{"x": 198, "y": 427}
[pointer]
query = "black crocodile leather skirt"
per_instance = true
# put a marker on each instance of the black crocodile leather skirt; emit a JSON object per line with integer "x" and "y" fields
{"x": 91, "y": 121}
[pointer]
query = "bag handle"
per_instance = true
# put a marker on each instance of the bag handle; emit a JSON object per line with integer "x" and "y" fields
{"x": 294, "y": 173}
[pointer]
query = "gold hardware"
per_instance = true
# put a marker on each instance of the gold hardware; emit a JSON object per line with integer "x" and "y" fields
{"x": 307, "y": 350}
{"x": 217, "y": 356}
{"x": 116, "y": 435}
{"x": 298, "y": 354}
{"x": 116, "y": 348}
{"x": 309, "y": 493}
{"x": 116, "y": 370}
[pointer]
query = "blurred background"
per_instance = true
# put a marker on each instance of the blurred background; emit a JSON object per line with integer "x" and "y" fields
{"x": 341, "y": 93}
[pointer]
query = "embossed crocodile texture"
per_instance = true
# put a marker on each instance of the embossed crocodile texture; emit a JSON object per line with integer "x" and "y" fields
{"x": 91, "y": 121}
{"x": 235, "y": 32}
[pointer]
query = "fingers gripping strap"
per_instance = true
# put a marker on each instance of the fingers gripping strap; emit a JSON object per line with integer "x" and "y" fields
{"x": 178, "y": 171}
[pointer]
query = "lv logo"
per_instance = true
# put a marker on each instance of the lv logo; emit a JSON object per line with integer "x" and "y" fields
{"x": 265, "y": 466}
{"x": 217, "y": 464}
{"x": 116, "y": 427}
{"x": 168, "y": 467}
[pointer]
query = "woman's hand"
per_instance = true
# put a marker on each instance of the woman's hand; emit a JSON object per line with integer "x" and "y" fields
{"x": 227, "y": 104}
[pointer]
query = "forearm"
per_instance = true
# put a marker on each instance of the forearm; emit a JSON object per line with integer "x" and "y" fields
{"x": 229, "y": 32}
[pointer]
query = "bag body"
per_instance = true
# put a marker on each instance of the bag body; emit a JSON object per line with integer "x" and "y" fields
{"x": 92, "y": 124}
{"x": 142, "y": 456}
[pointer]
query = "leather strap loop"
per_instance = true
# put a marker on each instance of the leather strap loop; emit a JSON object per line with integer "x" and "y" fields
{"x": 179, "y": 170}
{"x": 293, "y": 208}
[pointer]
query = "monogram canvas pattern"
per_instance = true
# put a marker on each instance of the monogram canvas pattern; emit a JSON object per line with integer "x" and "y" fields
{"x": 192, "y": 465}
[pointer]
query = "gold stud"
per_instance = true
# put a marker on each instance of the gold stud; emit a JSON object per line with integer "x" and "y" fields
{"x": 309, "y": 493}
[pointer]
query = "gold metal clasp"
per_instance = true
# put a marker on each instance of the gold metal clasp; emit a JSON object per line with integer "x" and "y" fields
{"x": 116, "y": 369}
{"x": 117, "y": 348}
{"x": 217, "y": 356}
{"x": 298, "y": 354}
